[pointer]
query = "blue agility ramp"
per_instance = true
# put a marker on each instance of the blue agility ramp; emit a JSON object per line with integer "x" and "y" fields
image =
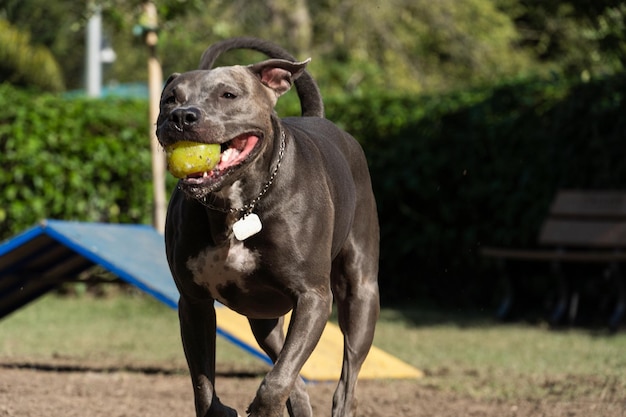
{"x": 43, "y": 257}
{"x": 53, "y": 252}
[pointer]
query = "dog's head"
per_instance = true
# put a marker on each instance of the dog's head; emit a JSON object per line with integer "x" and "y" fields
{"x": 230, "y": 106}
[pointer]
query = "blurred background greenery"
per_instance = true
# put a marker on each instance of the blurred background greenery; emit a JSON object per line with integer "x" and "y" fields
{"x": 412, "y": 46}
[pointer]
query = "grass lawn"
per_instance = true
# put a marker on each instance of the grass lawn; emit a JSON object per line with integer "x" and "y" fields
{"x": 465, "y": 353}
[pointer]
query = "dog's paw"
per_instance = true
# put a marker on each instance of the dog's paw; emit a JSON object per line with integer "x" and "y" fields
{"x": 220, "y": 410}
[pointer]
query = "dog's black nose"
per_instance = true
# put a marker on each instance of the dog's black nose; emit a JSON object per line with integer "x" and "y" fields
{"x": 185, "y": 117}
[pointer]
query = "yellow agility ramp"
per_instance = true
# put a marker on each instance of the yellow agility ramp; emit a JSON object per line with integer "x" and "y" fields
{"x": 325, "y": 362}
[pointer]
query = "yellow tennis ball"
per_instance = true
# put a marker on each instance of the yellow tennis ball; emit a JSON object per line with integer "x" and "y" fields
{"x": 185, "y": 158}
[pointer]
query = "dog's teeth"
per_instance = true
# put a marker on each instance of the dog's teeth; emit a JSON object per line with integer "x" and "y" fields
{"x": 228, "y": 155}
{"x": 205, "y": 174}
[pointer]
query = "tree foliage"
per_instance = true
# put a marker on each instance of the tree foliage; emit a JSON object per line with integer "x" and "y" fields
{"x": 577, "y": 38}
{"x": 24, "y": 64}
{"x": 413, "y": 46}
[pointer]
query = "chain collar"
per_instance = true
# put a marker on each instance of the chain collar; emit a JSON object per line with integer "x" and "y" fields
{"x": 248, "y": 208}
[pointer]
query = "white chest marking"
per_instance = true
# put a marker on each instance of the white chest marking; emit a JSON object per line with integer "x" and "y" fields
{"x": 225, "y": 265}
{"x": 233, "y": 194}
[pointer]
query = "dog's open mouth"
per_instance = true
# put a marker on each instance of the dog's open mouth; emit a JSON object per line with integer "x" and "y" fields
{"x": 233, "y": 153}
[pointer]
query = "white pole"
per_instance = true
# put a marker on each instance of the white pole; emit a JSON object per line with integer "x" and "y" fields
{"x": 93, "y": 44}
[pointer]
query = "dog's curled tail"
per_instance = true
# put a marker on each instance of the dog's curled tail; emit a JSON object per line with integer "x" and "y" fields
{"x": 309, "y": 93}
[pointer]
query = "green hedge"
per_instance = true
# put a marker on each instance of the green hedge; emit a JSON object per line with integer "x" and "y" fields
{"x": 72, "y": 159}
{"x": 454, "y": 173}
{"x": 451, "y": 173}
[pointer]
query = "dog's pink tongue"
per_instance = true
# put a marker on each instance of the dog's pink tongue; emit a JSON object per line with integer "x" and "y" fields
{"x": 249, "y": 144}
{"x": 238, "y": 151}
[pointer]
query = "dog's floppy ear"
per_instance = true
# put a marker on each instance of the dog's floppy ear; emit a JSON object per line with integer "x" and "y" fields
{"x": 171, "y": 78}
{"x": 278, "y": 74}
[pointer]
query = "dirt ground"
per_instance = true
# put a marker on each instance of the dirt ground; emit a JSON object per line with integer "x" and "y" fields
{"x": 89, "y": 390}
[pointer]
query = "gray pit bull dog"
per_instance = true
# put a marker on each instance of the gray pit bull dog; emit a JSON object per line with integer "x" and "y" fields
{"x": 286, "y": 221}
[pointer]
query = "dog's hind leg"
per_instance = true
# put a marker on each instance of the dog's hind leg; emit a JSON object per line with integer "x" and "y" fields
{"x": 355, "y": 288}
{"x": 270, "y": 337}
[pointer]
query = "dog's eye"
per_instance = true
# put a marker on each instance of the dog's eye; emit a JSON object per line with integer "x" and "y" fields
{"x": 228, "y": 95}
{"x": 169, "y": 100}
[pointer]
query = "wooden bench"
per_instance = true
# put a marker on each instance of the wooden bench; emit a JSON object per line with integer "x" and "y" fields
{"x": 582, "y": 227}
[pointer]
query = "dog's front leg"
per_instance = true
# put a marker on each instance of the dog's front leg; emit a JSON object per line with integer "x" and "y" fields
{"x": 270, "y": 336}
{"x": 305, "y": 329}
{"x": 197, "y": 324}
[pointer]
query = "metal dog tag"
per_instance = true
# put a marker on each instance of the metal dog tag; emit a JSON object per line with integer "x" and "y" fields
{"x": 247, "y": 226}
